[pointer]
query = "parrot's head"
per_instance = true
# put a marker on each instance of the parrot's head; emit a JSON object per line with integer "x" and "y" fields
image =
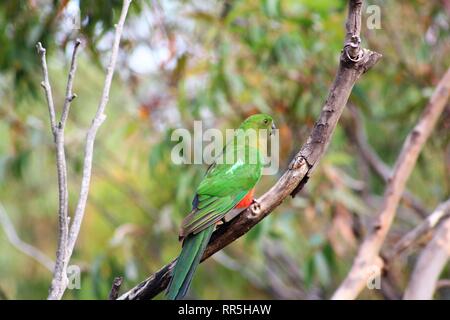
{"x": 258, "y": 122}
{"x": 257, "y": 129}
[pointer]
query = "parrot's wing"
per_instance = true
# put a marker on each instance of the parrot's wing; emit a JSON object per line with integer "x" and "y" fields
{"x": 223, "y": 179}
{"x": 222, "y": 188}
{"x": 208, "y": 210}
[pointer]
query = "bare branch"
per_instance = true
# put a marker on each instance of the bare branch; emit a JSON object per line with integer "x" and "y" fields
{"x": 371, "y": 157}
{"x": 114, "y": 293}
{"x": 20, "y": 245}
{"x": 62, "y": 258}
{"x": 354, "y": 62}
{"x": 92, "y": 132}
{"x": 59, "y": 273}
{"x": 368, "y": 253}
{"x": 68, "y": 237}
{"x": 441, "y": 213}
{"x": 47, "y": 87}
{"x": 358, "y": 135}
{"x": 70, "y": 96}
{"x": 430, "y": 264}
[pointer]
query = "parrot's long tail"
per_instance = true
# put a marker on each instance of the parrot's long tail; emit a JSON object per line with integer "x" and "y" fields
{"x": 187, "y": 262}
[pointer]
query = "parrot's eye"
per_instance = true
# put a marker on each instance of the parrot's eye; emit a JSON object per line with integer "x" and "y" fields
{"x": 266, "y": 121}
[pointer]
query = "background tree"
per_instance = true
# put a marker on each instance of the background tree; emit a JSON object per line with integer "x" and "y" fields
{"x": 217, "y": 61}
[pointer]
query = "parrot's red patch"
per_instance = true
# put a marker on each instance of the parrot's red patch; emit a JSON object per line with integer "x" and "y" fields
{"x": 247, "y": 200}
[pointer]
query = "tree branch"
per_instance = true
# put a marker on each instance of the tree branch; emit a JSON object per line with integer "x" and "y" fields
{"x": 62, "y": 258}
{"x": 441, "y": 213}
{"x": 114, "y": 293}
{"x": 68, "y": 233}
{"x": 70, "y": 96}
{"x": 431, "y": 262}
{"x": 92, "y": 132}
{"x": 20, "y": 245}
{"x": 358, "y": 135}
{"x": 411, "y": 238}
{"x": 354, "y": 61}
{"x": 368, "y": 253}
{"x": 45, "y": 84}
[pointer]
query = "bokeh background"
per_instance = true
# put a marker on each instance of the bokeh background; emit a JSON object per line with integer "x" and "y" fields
{"x": 216, "y": 61}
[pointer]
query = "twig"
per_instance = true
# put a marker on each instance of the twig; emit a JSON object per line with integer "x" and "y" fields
{"x": 92, "y": 132}
{"x": 356, "y": 130}
{"x": 20, "y": 245}
{"x": 439, "y": 214}
{"x": 47, "y": 88}
{"x": 114, "y": 293}
{"x": 70, "y": 96}
{"x": 68, "y": 234}
{"x": 353, "y": 63}
{"x": 429, "y": 266}
{"x": 368, "y": 253}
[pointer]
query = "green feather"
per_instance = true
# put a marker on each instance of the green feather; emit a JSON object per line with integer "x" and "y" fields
{"x": 187, "y": 262}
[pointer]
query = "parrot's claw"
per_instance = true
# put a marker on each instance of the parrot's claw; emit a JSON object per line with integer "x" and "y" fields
{"x": 255, "y": 207}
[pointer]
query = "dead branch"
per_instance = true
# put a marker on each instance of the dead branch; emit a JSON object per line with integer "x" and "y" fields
{"x": 114, "y": 293}
{"x": 68, "y": 232}
{"x": 409, "y": 240}
{"x": 358, "y": 135}
{"x": 368, "y": 253}
{"x": 431, "y": 262}
{"x": 441, "y": 213}
{"x": 59, "y": 272}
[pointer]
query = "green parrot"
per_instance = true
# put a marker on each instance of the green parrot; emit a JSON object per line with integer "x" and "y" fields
{"x": 226, "y": 189}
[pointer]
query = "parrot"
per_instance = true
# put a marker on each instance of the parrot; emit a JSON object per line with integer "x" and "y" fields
{"x": 226, "y": 189}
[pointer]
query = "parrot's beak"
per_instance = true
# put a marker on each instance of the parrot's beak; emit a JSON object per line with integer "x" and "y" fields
{"x": 273, "y": 129}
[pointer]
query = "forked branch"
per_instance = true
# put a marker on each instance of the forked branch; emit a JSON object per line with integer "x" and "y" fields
{"x": 68, "y": 232}
{"x": 368, "y": 254}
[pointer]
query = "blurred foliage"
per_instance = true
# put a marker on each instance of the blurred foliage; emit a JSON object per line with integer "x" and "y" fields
{"x": 25, "y": 22}
{"x": 218, "y": 61}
